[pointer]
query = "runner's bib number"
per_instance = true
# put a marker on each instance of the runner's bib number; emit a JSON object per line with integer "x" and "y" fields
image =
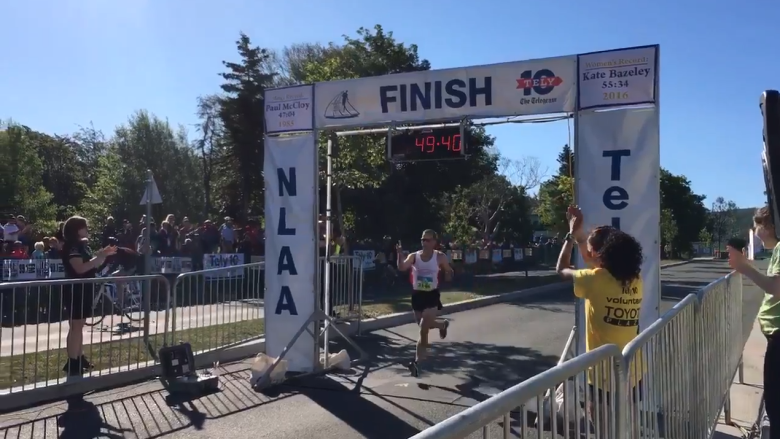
{"x": 424, "y": 284}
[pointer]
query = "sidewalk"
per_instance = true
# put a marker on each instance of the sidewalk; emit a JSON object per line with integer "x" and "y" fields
{"x": 746, "y": 398}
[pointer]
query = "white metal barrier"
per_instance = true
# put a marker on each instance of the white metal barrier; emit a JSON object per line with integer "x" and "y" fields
{"x": 125, "y": 324}
{"x": 579, "y": 413}
{"x": 674, "y": 378}
{"x": 346, "y": 287}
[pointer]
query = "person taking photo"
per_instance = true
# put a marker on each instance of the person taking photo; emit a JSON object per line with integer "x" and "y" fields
{"x": 769, "y": 313}
{"x": 79, "y": 262}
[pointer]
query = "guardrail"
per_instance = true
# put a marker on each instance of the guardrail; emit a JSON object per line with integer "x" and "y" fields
{"x": 601, "y": 365}
{"x": 34, "y": 336}
{"x": 219, "y": 307}
{"x": 346, "y": 287}
{"x": 674, "y": 377}
{"x": 214, "y": 310}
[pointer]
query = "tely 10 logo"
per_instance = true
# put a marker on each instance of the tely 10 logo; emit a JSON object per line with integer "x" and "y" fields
{"x": 542, "y": 82}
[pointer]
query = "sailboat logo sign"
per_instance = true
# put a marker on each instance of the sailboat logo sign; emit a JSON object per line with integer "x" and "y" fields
{"x": 340, "y": 107}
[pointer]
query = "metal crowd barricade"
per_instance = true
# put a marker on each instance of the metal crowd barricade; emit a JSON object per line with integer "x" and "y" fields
{"x": 346, "y": 286}
{"x": 577, "y": 416}
{"x": 125, "y": 328}
{"x": 687, "y": 360}
{"x": 219, "y": 307}
{"x": 660, "y": 364}
{"x": 720, "y": 342}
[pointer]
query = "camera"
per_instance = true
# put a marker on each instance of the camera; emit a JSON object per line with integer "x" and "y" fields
{"x": 112, "y": 241}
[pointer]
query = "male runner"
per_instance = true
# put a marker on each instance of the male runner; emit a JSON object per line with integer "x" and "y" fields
{"x": 426, "y": 299}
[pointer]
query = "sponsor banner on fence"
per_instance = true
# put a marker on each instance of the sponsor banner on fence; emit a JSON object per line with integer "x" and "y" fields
{"x": 289, "y": 109}
{"x": 223, "y": 260}
{"x": 171, "y": 265}
{"x": 32, "y": 269}
{"x": 470, "y": 257}
{"x": 617, "y": 77}
{"x": 518, "y": 254}
{"x": 366, "y": 258}
{"x": 290, "y": 247}
{"x": 38, "y": 269}
{"x": 618, "y": 162}
{"x": 540, "y": 86}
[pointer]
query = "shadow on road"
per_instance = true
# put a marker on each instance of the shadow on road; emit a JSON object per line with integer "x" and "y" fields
{"x": 364, "y": 404}
{"x": 150, "y": 414}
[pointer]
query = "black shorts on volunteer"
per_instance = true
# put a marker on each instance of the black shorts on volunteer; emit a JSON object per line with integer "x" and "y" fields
{"x": 422, "y": 300}
{"x": 78, "y": 299}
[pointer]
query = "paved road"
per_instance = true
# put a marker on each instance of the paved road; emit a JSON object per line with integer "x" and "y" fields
{"x": 489, "y": 349}
{"x": 43, "y": 337}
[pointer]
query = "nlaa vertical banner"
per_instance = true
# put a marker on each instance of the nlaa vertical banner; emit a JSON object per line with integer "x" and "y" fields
{"x": 290, "y": 246}
{"x": 618, "y": 184}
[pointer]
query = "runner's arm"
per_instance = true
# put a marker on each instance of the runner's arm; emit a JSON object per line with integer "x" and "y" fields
{"x": 444, "y": 263}
{"x": 406, "y": 263}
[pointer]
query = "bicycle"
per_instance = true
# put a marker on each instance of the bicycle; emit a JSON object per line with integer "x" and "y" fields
{"x": 106, "y": 301}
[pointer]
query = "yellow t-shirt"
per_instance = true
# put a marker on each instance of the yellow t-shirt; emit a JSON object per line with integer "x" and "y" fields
{"x": 611, "y": 310}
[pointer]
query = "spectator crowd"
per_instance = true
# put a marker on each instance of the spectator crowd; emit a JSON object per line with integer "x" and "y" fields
{"x": 168, "y": 238}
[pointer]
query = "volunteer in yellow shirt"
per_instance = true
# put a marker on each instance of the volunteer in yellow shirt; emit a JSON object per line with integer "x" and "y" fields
{"x": 611, "y": 285}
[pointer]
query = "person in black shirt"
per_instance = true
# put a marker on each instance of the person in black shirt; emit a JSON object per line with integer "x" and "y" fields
{"x": 79, "y": 263}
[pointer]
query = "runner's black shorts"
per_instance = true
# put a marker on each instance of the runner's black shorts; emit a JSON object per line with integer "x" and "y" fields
{"x": 422, "y": 300}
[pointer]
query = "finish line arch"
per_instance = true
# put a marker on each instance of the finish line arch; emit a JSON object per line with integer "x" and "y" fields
{"x": 614, "y": 99}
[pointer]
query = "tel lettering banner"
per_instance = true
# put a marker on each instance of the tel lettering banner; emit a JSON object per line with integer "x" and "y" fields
{"x": 617, "y": 77}
{"x": 516, "y": 88}
{"x": 617, "y": 179}
{"x": 288, "y": 109}
{"x": 290, "y": 246}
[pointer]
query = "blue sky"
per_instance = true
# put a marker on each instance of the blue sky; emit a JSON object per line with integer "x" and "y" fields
{"x": 72, "y": 62}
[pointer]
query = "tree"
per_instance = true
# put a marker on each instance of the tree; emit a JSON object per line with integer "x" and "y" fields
{"x": 722, "y": 220}
{"x": 210, "y": 146}
{"x": 488, "y": 198}
{"x": 686, "y": 207}
{"x": 557, "y": 193}
{"x": 705, "y": 237}
{"x": 566, "y": 161}
{"x": 668, "y": 231}
{"x": 145, "y": 142}
{"x": 242, "y": 115}
{"x": 20, "y": 176}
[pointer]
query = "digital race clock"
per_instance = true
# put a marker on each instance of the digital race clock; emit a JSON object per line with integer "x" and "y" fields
{"x": 431, "y": 144}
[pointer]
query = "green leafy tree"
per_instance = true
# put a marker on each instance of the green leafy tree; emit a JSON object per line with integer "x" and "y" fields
{"x": 705, "y": 237}
{"x": 687, "y": 208}
{"x": 722, "y": 220}
{"x": 20, "y": 176}
{"x": 668, "y": 230}
{"x": 557, "y": 193}
{"x": 146, "y": 142}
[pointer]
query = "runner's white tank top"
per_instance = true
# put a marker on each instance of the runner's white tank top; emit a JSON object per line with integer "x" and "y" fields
{"x": 425, "y": 274}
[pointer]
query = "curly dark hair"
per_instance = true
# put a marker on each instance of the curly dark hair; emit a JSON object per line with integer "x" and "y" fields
{"x": 619, "y": 253}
